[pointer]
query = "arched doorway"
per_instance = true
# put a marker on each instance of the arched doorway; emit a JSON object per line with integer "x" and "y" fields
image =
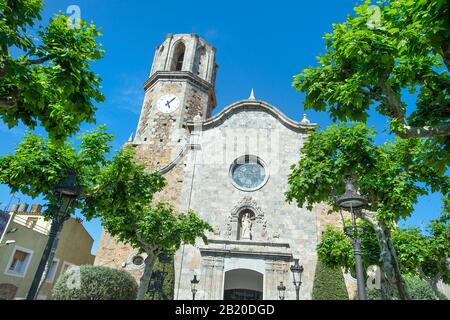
{"x": 243, "y": 284}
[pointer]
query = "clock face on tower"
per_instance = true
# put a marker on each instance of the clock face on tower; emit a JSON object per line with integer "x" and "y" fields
{"x": 168, "y": 103}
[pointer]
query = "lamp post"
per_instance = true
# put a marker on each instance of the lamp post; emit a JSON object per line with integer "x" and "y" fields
{"x": 352, "y": 201}
{"x": 281, "y": 290}
{"x": 297, "y": 271}
{"x": 194, "y": 283}
{"x": 67, "y": 191}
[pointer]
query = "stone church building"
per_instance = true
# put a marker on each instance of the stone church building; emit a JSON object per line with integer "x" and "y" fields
{"x": 232, "y": 170}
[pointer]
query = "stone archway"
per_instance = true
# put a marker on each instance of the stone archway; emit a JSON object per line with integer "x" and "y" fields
{"x": 7, "y": 291}
{"x": 243, "y": 284}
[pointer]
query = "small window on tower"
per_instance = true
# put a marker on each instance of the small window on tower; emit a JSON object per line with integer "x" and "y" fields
{"x": 178, "y": 57}
{"x": 180, "y": 60}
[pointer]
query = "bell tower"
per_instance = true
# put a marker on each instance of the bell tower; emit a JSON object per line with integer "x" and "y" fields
{"x": 181, "y": 86}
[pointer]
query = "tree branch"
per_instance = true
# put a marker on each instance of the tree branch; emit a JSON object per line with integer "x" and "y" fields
{"x": 38, "y": 61}
{"x": 425, "y": 131}
{"x": 393, "y": 102}
{"x": 446, "y": 54}
{"x": 8, "y": 103}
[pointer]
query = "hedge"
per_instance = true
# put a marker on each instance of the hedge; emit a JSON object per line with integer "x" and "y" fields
{"x": 95, "y": 283}
{"x": 329, "y": 283}
{"x": 418, "y": 289}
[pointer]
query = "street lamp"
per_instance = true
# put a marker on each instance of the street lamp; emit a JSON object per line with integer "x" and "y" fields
{"x": 67, "y": 190}
{"x": 194, "y": 283}
{"x": 352, "y": 201}
{"x": 297, "y": 271}
{"x": 281, "y": 290}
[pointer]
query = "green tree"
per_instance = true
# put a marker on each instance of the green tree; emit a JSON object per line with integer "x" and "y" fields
{"x": 375, "y": 57}
{"x": 131, "y": 218}
{"x": 49, "y": 81}
{"x": 419, "y": 255}
{"x": 387, "y": 174}
{"x": 426, "y": 255}
{"x": 38, "y": 164}
{"x": 336, "y": 250}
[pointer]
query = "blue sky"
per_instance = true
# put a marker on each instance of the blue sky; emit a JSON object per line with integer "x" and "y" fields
{"x": 260, "y": 45}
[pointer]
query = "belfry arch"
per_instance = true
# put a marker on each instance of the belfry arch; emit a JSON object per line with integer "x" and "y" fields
{"x": 178, "y": 57}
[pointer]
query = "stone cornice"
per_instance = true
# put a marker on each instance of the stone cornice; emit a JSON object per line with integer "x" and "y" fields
{"x": 271, "y": 250}
{"x": 254, "y": 105}
{"x": 178, "y": 75}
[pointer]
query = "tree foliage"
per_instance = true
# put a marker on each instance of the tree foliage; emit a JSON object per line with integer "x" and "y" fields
{"x": 375, "y": 57}
{"x": 38, "y": 164}
{"x": 49, "y": 81}
{"x": 336, "y": 250}
{"x": 95, "y": 283}
{"x": 387, "y": 174}
{"x": 118, "y": 190}
{"x": 392, "y": 176}
{"x": 125, "y": 207}
{"x": 419, "y": 290}
{"x": 419, "y": 255}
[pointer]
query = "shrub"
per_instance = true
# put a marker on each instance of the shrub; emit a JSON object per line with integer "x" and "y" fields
{"x": 329, "y": 283}
{"x": 418, "y": 289}
{"x": 95, "y": 283}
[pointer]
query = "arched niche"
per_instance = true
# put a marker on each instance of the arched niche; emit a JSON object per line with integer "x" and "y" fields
{"x": 258, "y": 229}
{"x": 201, "y": 63}
{"x": 178, "y": 56}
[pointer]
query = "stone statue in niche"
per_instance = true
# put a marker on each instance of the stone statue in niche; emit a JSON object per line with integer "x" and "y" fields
{"x": 246, "y": 227}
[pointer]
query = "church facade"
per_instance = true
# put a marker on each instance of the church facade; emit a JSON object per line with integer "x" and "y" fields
{"x": 232, "y": 170}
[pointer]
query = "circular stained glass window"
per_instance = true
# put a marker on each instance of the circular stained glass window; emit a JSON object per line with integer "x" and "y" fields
{"x": 248, "y": 173}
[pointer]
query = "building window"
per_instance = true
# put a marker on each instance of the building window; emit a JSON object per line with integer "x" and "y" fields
{"x": 65, "y": 267}
{"x": 52, "y": 272}
{"x": 138, "y": 260}
{"x": 19, "y": 262}
{"x": 178, "y": 57}
{"x": 248, "y": 173}
{"x": 31, "y": 222}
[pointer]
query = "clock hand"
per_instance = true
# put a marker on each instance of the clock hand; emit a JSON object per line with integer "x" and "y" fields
{"x": 172, "y": 100}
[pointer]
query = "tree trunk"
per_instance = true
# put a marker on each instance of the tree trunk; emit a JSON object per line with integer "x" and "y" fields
{"x": 146, "y": 276}
{"x": 385, "y": 290}
{"x": 388, "y": 258}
